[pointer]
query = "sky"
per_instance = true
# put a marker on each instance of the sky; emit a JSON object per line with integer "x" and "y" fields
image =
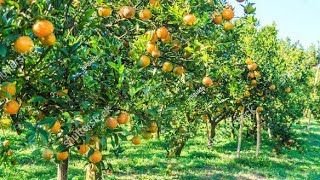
{"x": 296, "y": 19}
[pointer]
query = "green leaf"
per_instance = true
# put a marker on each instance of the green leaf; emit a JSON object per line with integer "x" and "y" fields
{"x": 43, "y": 135}
{"x": 36, "y": 99}
{"x": 3, "y": 50}
{"x": 48, "y": 120}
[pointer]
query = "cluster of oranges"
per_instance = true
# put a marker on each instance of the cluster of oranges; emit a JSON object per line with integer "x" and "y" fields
{"x": 12, "y": 106}
{"x": 227, "y": 14}
{"x": 48, "y": 154}
{"x": 44, "y": 30}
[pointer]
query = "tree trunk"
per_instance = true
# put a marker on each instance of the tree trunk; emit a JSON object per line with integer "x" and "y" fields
{"x": 63, "y": 168}
{"x": 212, "y": 133}
{"x": 179, "y": 149}
{"x": 258, "y": 134}
{"x": 208, "y": 132}
{"x": 232, "y": 128}
{"x": 240, "y": 133}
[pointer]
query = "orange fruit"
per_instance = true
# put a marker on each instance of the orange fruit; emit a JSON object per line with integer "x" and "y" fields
{"x": 147, "y": 135}
{"x": 56, "y": 127}
{"x": 63, "y": 92}
{"x": 136, "y": 140}
{"x": 154, "y": 3}
{"x": 95, "y": 157}
{"x": 252, "y": 67}
{"x": 144, "y": 61}
{"x": 167, "y": 67}
{"x": 156, "y": 53}
{"x": 207, "y": 81}
{"x": 104, "y": 12}
{"x": 32, "y": 1}
{"x": 62, "y": 155}
{"x": 257, "y": 74}
{"x": 111, "y": 123}
{"x": 10, "y": 153}
{"x": 145, "y": 14}
{"x": 6, "y": 143}
{"x": 272, "y": 87}
{"x": 83, "y": 149}
{"x": 153, "y": 127}
{"x": 151, "y": 47}
{"x": 169, "y": 166}
{"x": 217, "y": 18}
{"x": 259, "y": 108}
{"x": 47, "y": 154}
{"x": 228, "y": 13}
{"x": 204, "y": 118}
{"x": 254, "y": 82}
{"x": 152, "y": 35}
{"x": 167, "y": 39}
{"x": 189, "y": 19}
{"x": 127, "y": 12}
{"x": 1, "y": 2}
{"x": 24, "y": 44}
{"x": 249, "y": 61}
{"x": 179, "y": 70}
{"x": 123, "y": 118}
{"x": 8, "y": 88}
{"x": 251, "y": 75}
{"x": 48, "y": 40}
{"x": 288, "y": 90}
{"x": 43, "y": 28}
{"x": 247, "y": 94}
{"x": 162, "y": 32}
{"x": 228, "y": 26}
{"x": 11, "y": 107}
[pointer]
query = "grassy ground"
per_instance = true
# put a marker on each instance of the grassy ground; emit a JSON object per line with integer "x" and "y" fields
{"x": 197, "y": 162}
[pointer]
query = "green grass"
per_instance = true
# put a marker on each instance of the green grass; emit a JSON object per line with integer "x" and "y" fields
{"x": 148, "y": 161}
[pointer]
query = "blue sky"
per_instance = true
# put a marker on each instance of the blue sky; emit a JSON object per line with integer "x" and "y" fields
{"x": 297, "y": 19}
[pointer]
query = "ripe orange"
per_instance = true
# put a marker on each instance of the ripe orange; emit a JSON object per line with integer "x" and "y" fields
{"x": 10, "y": 153}
{"x": 251, "y": 75}
{"x": 6, "y": 143}
{"x": 167, "y": 39}
{"x": 136, "y": 140}
{"x": 144, "y": 61}
{"x": 47, "y": 154}
{"x": 127, "y": 12}
{"x": 32, "y": 1}
{"x": 62, "y": 155}
{"x": 247, "y": 94}
{"x": 204, "y": 118}
{"x": 177, "y": 45}
{"x": 123, "y": 118}
{"x": 228, "y": 26}
{"x": 104, "y": 12}
{"x": 43, "y": 28}
{"x": 95, "y": 157}
{"x": 217, "y": 18}
{"x": 254, "y": 82}
{"x": 11, "y": 107}
{"x": 249, "y": 61}
{"x": 288, "y": 90}
{"x": 154, "y": 3}
{"x": 257, "y": 74}
{"x": 24, "y": 44}
{"x": 189, "y": 19}
{"x": 63, "y": 92}
{"x": 207, "y": 81}
{"x": 1, "y": 2}
{"x": 169, "y": 166}
{"x": 56, "y": 127}
{"x": 162, "y": 32}
{"x": 167, "y": 67}
{"x": 83, "y": 149}
{"x": 145, "y": 14}
{"x": 156, "y": 53}
{"x": 8, "y": 88}
{"x": 111, "y": 122}
{"x": 252, "y": 67}
{"x": 272, "y": 87}
{"x": 179, "y": 70}
{"x": 151, "y": 47}
{"x": 259, "y": 108}
{"x": 228, "y": 13}
{"x": 152, "y": 35}
{"x": 48, "y": 40}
